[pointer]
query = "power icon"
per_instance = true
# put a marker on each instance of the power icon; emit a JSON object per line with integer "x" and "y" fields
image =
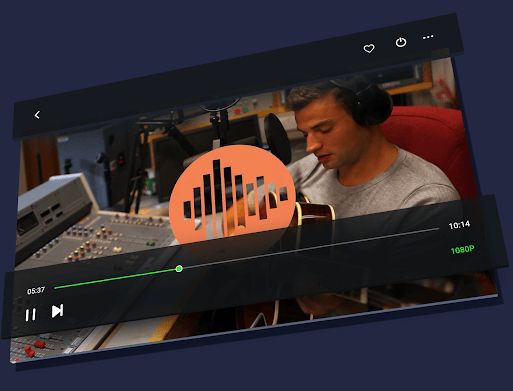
{"x": 400, "y": 42}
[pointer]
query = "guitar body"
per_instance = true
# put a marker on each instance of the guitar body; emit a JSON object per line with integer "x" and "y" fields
{"x": 305, "y": 213}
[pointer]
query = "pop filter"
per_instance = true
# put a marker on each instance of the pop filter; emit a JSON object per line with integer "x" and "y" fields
{"x": 277, "y": 139}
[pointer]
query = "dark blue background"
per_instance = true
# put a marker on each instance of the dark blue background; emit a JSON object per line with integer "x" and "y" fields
{"x": 48, "y": 50}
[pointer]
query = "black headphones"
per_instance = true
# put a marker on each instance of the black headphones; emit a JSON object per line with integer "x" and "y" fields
{"x": 369, "y": 105}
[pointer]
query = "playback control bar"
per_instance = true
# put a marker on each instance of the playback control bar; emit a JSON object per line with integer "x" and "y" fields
{"x": 409, "y": 244}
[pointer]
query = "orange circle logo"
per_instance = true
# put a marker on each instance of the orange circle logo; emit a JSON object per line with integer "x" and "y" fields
{"x": 238, "y": 189}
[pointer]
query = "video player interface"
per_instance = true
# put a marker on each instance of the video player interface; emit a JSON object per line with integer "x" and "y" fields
{"x": 190, "y": 203}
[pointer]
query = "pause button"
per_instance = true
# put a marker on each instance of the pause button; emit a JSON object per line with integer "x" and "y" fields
{"x": 30, "y": 315}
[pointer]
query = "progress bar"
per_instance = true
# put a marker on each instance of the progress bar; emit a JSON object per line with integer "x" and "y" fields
{"x": 177, "y": 269}
{"x": 180, "y": 268}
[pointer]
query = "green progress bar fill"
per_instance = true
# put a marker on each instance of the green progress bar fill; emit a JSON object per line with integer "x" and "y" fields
{"x": 177, "y": 269}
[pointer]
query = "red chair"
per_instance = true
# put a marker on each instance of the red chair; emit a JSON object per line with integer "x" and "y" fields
{"x": 438, "y": 136}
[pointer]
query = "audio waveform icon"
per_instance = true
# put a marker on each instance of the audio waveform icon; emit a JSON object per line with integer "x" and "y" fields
{"x": 250, "y": 180}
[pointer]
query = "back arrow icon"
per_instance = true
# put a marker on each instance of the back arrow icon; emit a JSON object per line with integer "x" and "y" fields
{"x": 37, "y": 114}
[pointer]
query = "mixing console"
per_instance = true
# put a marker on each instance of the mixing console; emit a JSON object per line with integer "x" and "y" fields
{"x": 98, "y": 234}
{"x": 47, "y": 345}
{"x": 101, "y": 234}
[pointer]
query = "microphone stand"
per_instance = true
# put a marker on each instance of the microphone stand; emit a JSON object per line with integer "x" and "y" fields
{"x": 220, "y": 122}
{"x": 136, "y": 171}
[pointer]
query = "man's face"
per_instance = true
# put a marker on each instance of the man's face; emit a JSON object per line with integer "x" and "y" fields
{"x": 331, "y": 132}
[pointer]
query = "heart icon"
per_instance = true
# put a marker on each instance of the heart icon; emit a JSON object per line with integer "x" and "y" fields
{"x": 369, "y": 47}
